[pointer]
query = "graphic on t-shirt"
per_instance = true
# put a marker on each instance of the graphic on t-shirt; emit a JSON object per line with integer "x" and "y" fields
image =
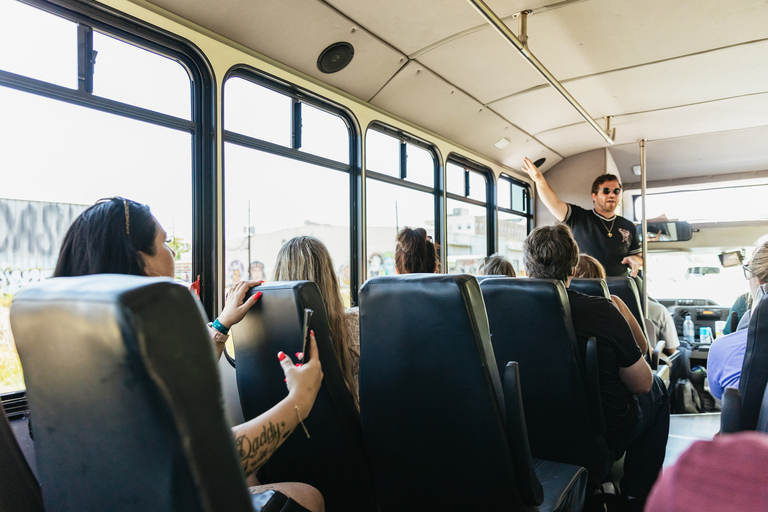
{"x": 624, "y": 235}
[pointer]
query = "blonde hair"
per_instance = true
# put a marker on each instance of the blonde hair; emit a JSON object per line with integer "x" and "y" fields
{"x": 306, "y": 258}
{"x": 759, "y": 261}
{"x": 589, "y": 267}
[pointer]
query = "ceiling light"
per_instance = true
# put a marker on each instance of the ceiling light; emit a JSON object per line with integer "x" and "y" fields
{"x": 636, "y": 170}
{"x": 502, "y": 143}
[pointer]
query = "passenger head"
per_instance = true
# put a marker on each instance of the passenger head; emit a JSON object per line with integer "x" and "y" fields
{"x": 115, "y": 236}
{"x": 496, "y": 265}
{"x": 589, "y": 267}
{"x": 415, "y": 252}
{"x": 550, "y": 252}
{"x": 603, "y": 178}
{"x": 758, "y": 266}
{"x": 306, "y": 258}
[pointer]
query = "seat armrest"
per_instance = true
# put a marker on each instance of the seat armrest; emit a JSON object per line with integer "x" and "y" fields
{"x": 730, "y": 414}
{"x": 528, "y": 484}
{"x": 656, "y": 354}
{"x": 593, "y": 388}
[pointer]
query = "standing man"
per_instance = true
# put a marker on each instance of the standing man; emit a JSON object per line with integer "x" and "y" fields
{"x": 607, "y": 237}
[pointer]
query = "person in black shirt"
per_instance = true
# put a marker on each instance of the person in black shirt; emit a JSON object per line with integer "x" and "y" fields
{"x": 635, "y": 402}
{"x": 607, "y": 237}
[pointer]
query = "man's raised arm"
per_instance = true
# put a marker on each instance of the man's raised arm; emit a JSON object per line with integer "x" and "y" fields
{"x": 553, "y": 203}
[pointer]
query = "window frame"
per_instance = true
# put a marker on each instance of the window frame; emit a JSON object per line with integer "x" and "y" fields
{"x": 200, "y": 126}
{"x": 527, "y": 198}
{"x": 353, "y": 168}
{"x": 437, "y": 191}
{"x": 490, "y": 194}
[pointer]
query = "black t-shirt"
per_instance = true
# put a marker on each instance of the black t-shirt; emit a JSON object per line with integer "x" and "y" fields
{"x": 591, "y": 233}
{"x": 616, "y": 348}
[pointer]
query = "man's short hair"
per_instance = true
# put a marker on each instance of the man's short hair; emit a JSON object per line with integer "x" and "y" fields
{"x": 550, "y": 252}
{"x": 602, "y": 179}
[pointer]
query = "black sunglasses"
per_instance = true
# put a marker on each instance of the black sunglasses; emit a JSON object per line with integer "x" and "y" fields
{"x": 607, "y": 191}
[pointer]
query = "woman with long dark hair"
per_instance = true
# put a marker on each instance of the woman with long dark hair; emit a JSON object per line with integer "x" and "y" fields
{"x": 120, "y": 236}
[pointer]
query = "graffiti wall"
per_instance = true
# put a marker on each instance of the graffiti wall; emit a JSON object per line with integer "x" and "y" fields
{"x": 30, "y": 236}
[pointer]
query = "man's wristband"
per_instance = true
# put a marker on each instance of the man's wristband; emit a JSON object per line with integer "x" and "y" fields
{"x": 217, "y": 325}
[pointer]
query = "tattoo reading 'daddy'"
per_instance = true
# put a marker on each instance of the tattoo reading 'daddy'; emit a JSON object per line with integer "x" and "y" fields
{"x": 254, "y": 452}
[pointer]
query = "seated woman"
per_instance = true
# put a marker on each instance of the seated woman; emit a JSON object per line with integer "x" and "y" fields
{"x": 726, "y": 355}
{"x": 415, "y": 252}
{"x": 496, "y": 265}
{"x": 120, "y": 236}
{"x": 589, "y": 267}
{"x": 305, "y": 258}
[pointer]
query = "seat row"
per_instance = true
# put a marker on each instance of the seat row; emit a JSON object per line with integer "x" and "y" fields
{"x": 472, "y": 396}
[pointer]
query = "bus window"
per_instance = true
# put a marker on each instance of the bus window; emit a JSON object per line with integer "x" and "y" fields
{"x": 274, "y": 195}
{"x": 61, "y": 153}
{"x": 400, "y": 192}
{"x": 514, "y": 219}
{"x": 467, "y": 217}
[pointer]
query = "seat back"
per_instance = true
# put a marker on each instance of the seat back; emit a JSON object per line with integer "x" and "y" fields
{"x": 431, "y": 397}
{"x": 595, "y": 287}
{"x": 124, "y": 397}
{"x": 333, "y": 459}
{"x": 19, "y": 489}
{"x": 754, "y": 371}
{"x": 626, "y": 289}
{"x": 530, "y": 322}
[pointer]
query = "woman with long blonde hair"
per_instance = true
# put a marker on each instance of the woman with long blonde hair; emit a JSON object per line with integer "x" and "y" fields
{"x": 305, "y": 258}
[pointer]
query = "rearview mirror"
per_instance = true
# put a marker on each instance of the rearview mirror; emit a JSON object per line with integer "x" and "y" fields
{"x": 667, "y": 231}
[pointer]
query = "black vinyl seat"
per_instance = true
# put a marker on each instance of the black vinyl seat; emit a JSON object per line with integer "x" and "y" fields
{"x": 745, "y": 414}
{"x": 625, "y": 288}
{"x": 530, "y": 322}
{"x": 595, "y": 287}
{"x": 440, "y": 431}
{"x": 19, "y": 489}
{"x": 125, "y": 398}
{"x": 333, "y": 459}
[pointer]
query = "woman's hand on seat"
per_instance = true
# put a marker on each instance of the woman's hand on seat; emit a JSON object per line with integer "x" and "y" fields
{"x": 303, "y": 380}
{"x": 235, "y": 309}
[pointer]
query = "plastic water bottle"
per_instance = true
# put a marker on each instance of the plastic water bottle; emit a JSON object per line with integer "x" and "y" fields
{"x": 688, "y": 335}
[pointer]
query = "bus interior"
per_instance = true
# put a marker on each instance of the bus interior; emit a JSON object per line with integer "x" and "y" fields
{"x": 243, "y": 124}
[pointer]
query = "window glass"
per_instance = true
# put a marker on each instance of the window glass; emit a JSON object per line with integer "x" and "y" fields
{"x": 382, "y": 153}
{"x": 454, "y": 178}
{"x": 711, "y": 205}
{"x": 64, "y": 158}
{"x": 512, "y": 232}
{"x": 314, "y": 202}
{"x": 38, "y": 45}
{"x": 258, "y": 112}
{"x": 504, "y": 194}
{"x": 420, "y": 165}
{"x": 477, "y": 186}
{"x": 389, "y": 209}
{"x": 467, "y": 237}
{"x": 129, "y": 74}
{"x": 324, "y": 134}
{"x": 519, "y": 201}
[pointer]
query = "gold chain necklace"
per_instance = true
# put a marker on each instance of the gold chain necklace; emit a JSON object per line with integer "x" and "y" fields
{"x": 606, "y": 227}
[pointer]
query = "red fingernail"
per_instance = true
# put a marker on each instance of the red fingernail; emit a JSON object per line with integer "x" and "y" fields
{"x": 312, "y": 332}
{"x": 285, "y": 380}
{"x": 281, "y": 356}
{"x": 256, "y": 296}
{"x": 298, "y": 355}
{"x": 260, "y": 282}
{"x": 299, "y": 365}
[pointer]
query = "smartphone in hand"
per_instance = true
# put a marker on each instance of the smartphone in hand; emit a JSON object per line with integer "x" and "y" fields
{"x": 306, "y": 329}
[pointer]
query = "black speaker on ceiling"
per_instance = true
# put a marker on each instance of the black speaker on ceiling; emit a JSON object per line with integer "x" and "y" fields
{"x": 539, "y": 162}
{"x": 335, "y": 57}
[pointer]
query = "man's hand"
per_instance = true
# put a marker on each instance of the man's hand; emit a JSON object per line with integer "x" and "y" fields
{"x": 532, "y": 170}
{"x": 635, "y": 263}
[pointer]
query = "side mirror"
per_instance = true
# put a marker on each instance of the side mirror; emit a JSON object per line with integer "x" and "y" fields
{"x": 667, "y": 231}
